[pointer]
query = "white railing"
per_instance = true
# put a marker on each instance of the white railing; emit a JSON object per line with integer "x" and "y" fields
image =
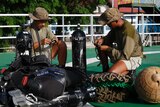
{"x": 91, "y": 30}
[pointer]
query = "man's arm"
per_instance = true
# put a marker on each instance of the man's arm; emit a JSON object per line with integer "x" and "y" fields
{"x": 126, "y": 53}
{"x": 51, "y": 35}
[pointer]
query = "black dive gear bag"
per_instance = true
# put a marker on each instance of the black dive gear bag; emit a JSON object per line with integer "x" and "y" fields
{"x": 47, "y": 83}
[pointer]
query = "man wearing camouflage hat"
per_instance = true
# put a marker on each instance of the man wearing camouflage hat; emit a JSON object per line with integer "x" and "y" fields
{"x": 43, "y": 37}
{"x": 122, "y": 44}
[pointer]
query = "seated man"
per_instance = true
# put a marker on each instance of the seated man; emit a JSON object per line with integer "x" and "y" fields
{"x": 122, "y": 44}
{"x": 43, "y": 37}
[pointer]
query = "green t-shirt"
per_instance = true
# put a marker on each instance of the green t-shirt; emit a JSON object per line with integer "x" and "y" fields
{"x": 125, "y": 42}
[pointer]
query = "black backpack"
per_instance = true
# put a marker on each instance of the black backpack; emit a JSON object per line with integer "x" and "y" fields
{"x": 47, "y": 83}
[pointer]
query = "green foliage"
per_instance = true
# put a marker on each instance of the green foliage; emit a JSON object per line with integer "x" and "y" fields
{"x": 52, "y": 6}
{"x": 4, "y": 44}
{"x": 102, "y": 1}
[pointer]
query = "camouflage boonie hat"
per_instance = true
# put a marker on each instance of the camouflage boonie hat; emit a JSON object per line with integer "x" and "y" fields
{"x": 110, "y": 15}
{"x": 39, "y": 14}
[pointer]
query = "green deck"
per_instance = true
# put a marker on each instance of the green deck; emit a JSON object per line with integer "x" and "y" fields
{"x": 152, "y": 59}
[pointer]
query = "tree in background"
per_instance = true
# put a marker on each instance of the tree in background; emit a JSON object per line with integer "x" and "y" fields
{"x": 52, "y": 6}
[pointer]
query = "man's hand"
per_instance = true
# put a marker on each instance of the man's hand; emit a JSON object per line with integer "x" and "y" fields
{"x": 98, "y": 42}
{"x": 104, "y": 47}
{"x": 46, "y": 41}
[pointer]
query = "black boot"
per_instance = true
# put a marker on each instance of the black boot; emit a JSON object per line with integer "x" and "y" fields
{"x": 105, "y": 68}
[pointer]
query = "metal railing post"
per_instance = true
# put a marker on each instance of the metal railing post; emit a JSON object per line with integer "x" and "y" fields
{"x": 63, "y": 31}
{"x": 143, "y": 27}
{"x": 92, "y": 31}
